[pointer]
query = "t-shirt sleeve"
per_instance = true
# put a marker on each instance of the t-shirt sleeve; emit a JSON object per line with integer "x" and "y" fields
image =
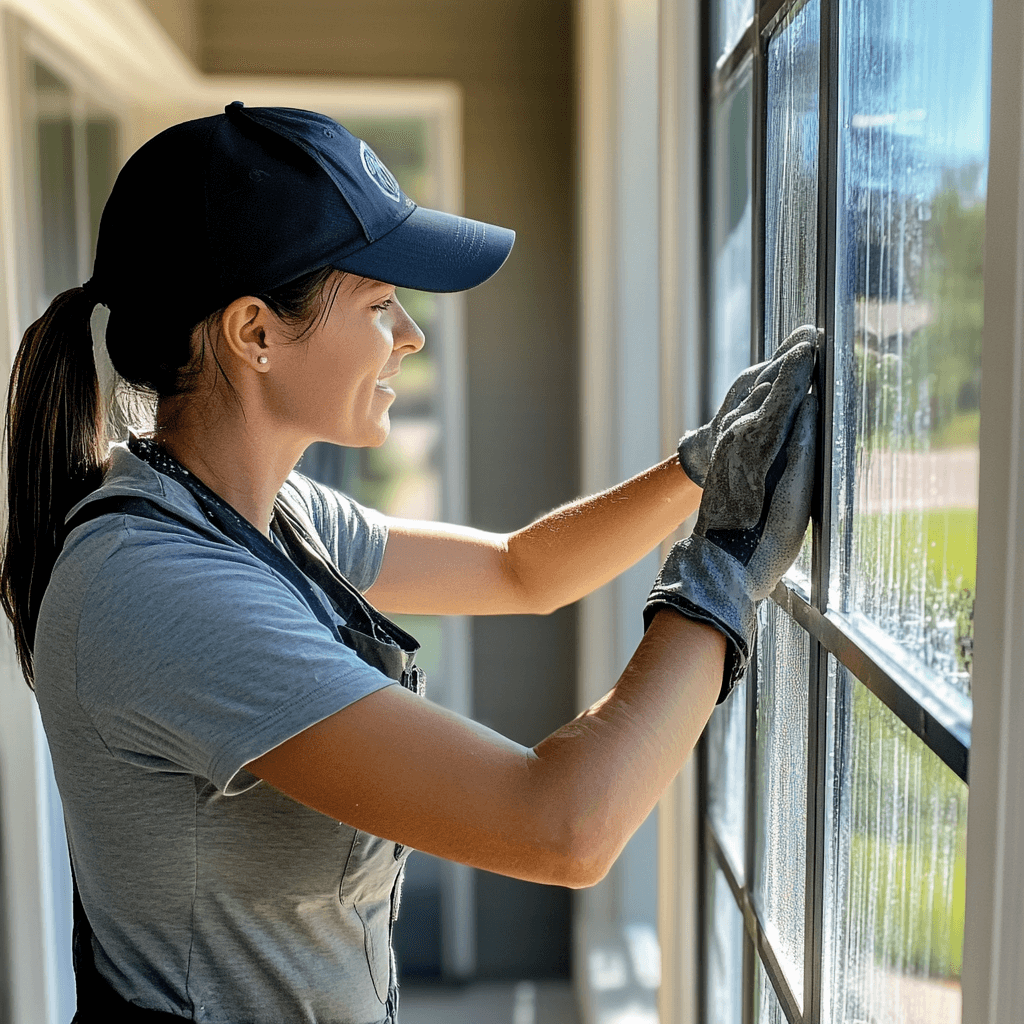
{"x": 194, "y": 656}
{"x": 355, "y": 536}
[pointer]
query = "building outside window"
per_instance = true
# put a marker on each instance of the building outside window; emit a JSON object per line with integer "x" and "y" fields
{"x": 845, "y": 186}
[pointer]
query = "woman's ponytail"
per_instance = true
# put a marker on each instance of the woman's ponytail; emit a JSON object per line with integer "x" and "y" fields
{"x": 55, "y": 452}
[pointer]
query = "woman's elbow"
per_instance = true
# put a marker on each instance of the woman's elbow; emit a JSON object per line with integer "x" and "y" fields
{"x": 545, "y": 604}
{"x": 588, "y": 872}
{"x": 577, "y": 827}
{"x": 583, "y": 856}
{"x": 534, "y": 588}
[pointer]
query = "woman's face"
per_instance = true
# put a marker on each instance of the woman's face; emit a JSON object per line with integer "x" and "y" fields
{"x": 334, "y": 383}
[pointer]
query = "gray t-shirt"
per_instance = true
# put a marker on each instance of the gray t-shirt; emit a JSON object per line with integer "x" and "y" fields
{"x": 166, "y": 659}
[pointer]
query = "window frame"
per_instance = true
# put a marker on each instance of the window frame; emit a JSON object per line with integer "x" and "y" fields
{"x": 939, "y": 719}
{"x": 993, "y": 964}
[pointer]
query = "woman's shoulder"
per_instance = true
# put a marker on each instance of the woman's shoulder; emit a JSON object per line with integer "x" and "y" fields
{"x": 325, "y": 506}
{"x": 354, "y": 535}
{"x": 131, "y": 484}
{"x": 137, "y": 534}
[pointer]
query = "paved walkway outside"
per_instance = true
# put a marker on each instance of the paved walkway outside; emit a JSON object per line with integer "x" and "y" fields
{"x": 528, "y": 1002}
{"x": 905, "y": 481}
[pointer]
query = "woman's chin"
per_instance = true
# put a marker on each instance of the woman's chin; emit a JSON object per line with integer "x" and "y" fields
{"x": 384, "y": 432}
{"x": 372, "y": 437}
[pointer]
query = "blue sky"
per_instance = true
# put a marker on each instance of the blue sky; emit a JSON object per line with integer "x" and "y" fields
{"x": 927, "y": 73}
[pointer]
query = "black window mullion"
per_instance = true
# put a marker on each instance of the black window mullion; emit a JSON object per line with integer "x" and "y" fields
{"x": 704, "y": 30}
{"x": 755, "y": 938}
{"x": 751, "y": 794}
{"x": 739, "y": 891}
{"x": 828, "y": 159}
{"x": 816, "y": 837}
{"x": 747, "y": 903}
{"x": 703, "y": 916}
{"x": 759, "y": 127}
{"x": 771, "y": 12}
{"x": 706, "y": 232}
{"x": 777, "y": 977}
{"x": 749, "y": 975}
{"x": 943, "y": 725}
{"x": 758, "y": 115}
{"x": 821, "y": 530}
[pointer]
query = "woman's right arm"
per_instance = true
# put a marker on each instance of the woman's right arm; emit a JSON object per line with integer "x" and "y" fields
{"x": 400, "y": 768}
{"x": 407, "y": 770}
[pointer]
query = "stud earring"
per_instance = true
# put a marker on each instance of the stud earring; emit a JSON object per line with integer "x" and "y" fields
{"x": 262, "y": 360}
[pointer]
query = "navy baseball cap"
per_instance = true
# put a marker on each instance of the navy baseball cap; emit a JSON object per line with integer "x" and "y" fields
{"x": 251, "y": 199}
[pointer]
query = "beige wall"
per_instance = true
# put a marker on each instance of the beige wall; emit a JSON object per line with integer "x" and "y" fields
{"x": 513, "y": 60}
{"x": 180, "y": 20}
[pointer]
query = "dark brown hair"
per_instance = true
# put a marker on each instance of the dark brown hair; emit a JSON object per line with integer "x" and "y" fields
{"x": 55, "y": 435}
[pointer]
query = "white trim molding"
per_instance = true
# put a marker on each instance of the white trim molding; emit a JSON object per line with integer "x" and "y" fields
{"x": 639, "y": 219}
{"x": 993, "y": 965}
{"x": 679, "y": 881}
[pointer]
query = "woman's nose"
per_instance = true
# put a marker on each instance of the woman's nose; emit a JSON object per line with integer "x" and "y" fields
{"x": 407, "y": 332}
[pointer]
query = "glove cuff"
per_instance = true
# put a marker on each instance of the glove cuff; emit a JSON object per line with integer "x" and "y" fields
{"x": 694, "y": 454}
{"x": 702, "y": 582}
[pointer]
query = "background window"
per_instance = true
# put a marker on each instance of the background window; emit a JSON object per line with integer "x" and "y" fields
{"x": 70, "y": 155}
{"x": 731, "y": 17}
{"x": 404, "y": 477}
{"x": 409, "y": 477}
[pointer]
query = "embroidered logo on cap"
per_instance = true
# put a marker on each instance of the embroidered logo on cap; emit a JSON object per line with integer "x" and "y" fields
{"x": 378, "y": 173}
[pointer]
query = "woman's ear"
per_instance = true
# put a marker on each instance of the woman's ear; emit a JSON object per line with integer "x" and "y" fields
{"x": 245, "y": 325}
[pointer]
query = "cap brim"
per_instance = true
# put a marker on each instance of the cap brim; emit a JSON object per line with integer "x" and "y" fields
{"x": 433, "y": 252}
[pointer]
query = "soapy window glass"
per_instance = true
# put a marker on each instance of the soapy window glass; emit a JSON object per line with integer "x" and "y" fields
{"x": 833, "y": 782}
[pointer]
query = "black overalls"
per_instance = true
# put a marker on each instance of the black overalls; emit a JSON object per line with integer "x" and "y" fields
{"x": 371, "y": 635}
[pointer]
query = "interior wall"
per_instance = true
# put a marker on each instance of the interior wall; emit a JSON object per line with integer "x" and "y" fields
{"x": 513, "y": 61}
{"x": 180, "y": 20}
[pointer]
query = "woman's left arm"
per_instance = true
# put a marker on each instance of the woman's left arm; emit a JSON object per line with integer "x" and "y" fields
{"x": 441, "y": 569}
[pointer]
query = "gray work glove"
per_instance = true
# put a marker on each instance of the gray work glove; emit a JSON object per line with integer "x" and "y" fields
{"x": 753, "y": 515}
{"x": 696, "y": 446}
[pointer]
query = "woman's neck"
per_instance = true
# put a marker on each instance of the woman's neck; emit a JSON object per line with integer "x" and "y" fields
{"x": 242, "y": 463}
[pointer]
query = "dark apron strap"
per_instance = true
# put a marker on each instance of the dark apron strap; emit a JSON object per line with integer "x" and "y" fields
{"x": 98, "y": 1002}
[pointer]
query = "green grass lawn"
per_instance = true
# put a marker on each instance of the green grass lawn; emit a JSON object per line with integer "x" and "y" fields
{"x": 960, "y": 431}
{"x": 918, "y": 928}
{"x": 942, "y": 541}
{"x": 907, "y": 839}
{"x": 951, "y": 537}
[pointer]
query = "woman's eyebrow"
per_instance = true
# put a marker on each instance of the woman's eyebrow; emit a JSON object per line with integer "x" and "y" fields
{"x": 369, "y": 282}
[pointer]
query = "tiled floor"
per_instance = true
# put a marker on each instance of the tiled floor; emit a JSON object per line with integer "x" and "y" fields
{"x": 528, "y": 1002}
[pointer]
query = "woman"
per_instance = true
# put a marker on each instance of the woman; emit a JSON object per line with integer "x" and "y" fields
{"x": 241, "y": 779}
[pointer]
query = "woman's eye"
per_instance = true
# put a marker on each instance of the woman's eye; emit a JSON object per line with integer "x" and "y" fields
{"x": 386, "y": 304}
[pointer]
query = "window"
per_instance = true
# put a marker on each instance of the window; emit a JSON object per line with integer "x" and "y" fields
{"x": 69, "y": 155}
{"x": 845, "y": 185}
{"x": 405, "y": 477}
{"x": 417, "y": 474}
